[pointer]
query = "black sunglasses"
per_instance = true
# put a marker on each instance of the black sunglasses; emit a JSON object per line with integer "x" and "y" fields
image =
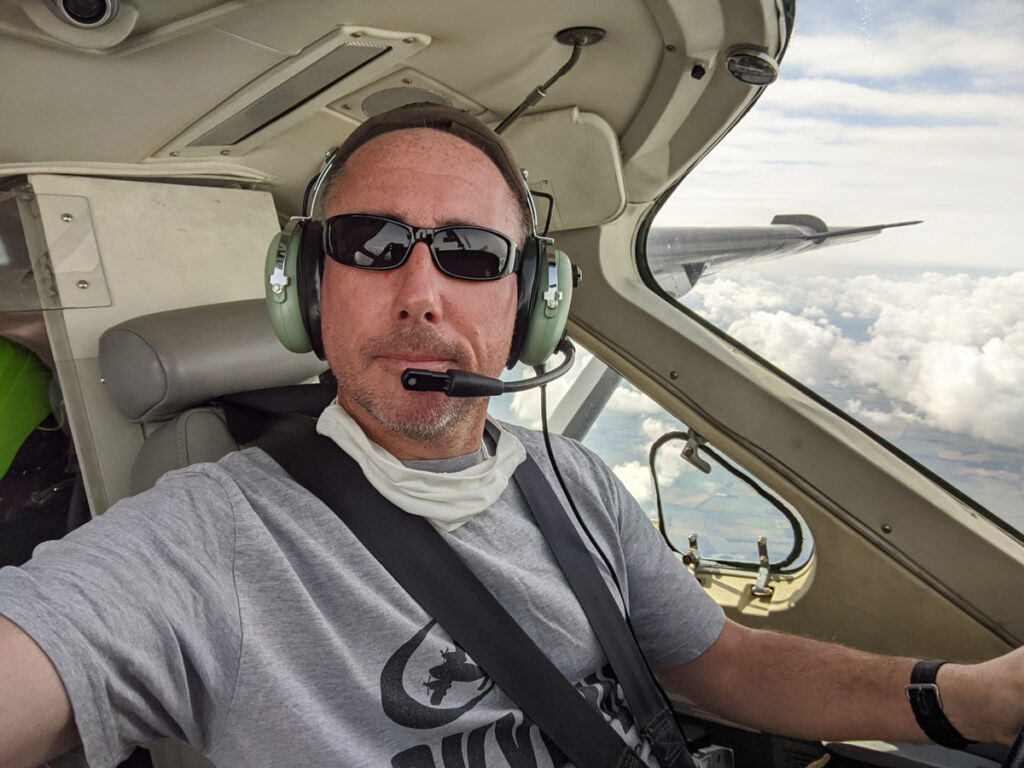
{"x": 374, "y": 242}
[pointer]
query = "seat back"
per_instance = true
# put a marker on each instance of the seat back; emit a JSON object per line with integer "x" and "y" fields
{"x": 162, "y": 371}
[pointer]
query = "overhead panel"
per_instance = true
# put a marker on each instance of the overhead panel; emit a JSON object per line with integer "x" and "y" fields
{"x": 341, "y": 62}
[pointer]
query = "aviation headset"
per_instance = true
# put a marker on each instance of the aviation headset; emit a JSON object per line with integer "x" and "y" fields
{"x": 295, "y": 260}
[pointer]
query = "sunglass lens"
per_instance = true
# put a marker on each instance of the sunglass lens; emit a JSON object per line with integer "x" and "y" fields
{"x": 471, "y": 253}
{"x": 369, "y": 243}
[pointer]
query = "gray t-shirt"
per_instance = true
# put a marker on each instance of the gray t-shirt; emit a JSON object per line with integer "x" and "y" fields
{"x": 229, "y": 608}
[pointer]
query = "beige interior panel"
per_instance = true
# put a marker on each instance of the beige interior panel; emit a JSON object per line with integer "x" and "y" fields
{"x": 162, "y": 83}
{"x": 162, "y": 246}
{"x": 586, "y": 178}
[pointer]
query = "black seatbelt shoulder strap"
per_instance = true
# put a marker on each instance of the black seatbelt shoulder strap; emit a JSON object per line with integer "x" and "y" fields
{"x": 650, "y": 709}
{"x": 419, "y": 559}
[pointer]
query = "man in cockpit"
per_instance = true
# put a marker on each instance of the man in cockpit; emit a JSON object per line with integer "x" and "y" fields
{"x": 230, "y": 609}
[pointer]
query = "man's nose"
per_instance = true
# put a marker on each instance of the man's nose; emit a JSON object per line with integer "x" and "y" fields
{"x": 420, "y": 285}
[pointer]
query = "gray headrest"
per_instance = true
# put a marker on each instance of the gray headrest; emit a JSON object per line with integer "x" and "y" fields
{"x": 157, "y": 365}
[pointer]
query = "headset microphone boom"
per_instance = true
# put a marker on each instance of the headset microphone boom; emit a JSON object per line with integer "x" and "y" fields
{"x": 455, "y": 383}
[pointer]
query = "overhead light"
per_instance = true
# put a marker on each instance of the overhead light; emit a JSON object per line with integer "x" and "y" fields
{"x": 752, "y": 67}
{"x": 385, "y": 100}
{"x": 87, "y": 14}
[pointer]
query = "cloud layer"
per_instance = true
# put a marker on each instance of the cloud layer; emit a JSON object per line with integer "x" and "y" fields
{"x": 941, "y": 351}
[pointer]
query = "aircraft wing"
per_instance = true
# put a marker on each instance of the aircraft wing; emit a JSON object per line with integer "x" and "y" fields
{"x": 680, "y": 256}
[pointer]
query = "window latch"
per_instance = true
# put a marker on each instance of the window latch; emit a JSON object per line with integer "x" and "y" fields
{"x": 691, "y": 558}
{"x": 761, "y": 587}
{"x": 690, "y": 451}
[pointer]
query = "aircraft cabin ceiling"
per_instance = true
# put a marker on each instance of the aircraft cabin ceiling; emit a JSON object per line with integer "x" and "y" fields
{"x": 201, "y": 88}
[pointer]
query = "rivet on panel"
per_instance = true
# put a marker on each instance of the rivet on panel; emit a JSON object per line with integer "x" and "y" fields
{"x": 409, "y": 40}
{"x": 225, "y": 151}
{"x": 407, "y": 80}
{"x": 175, "y": 154}
{"x": 673, "y": 375}
{"x": 886, "y": 528}
{"x": 67, "y": 218}
{"x": 670, "y": 48}
{"x": 358, "y": 34}
{"x": 82, "y": 284}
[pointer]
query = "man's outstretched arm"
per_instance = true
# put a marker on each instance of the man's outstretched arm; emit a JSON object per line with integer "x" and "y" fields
{"x": 808, "y": 689}
{"x": 36, "y": 721}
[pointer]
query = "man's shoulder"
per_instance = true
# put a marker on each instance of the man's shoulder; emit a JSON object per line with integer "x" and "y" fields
{"x": 572, "y": 456}
{"x": 241, "y": 466}
{"x": 205, "y": 486}
{"x": 533, "y": 440}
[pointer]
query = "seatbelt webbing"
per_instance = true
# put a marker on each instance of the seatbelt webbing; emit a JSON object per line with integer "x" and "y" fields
{"x": 650, "y": 709}
{"x": 418, "y": 558}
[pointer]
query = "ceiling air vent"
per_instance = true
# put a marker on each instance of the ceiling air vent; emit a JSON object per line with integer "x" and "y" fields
{"x": 343, "y": 61}
{"x": 293, "y": 92}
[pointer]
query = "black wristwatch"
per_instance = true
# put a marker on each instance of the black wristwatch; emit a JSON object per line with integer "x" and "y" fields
{"x": 926, "y": 702}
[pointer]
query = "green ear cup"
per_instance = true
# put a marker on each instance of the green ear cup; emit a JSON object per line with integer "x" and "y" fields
{"x": 547, "y": 324}
{"x": 282, "y": 291}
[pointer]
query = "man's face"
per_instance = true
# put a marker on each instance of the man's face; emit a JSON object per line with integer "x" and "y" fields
{"x": 378, "y": 323}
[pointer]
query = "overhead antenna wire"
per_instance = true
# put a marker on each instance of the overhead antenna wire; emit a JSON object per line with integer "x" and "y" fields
{"x": 577, "y": 37}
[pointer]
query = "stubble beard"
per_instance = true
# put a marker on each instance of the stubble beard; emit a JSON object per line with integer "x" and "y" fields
{"x": 434, "y": 415}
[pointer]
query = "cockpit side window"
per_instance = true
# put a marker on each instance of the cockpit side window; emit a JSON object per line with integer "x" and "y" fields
{"x": 705, "y": 506}
{"x": 777, "y": 238}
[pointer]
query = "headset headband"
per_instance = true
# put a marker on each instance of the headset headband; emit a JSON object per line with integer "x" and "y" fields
{"x": 443, "y": 118}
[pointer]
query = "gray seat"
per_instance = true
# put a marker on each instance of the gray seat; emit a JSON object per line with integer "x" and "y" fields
{"x": 162, "y": 370}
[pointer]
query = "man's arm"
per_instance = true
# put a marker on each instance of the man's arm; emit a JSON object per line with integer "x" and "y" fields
{"x": 36, "y": 722}
{"x": 808, "y": 689}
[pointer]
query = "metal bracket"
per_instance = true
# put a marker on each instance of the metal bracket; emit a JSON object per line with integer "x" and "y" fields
{"x": 552, "y": 296}
{"x": 278, "y": 280}
{"x": 690, "y": 451}
{"x": 761, "y": 587}
{"x": 691, "y": 558}
{"x": 715, "y": 756}
{"x": 72, "y": 250}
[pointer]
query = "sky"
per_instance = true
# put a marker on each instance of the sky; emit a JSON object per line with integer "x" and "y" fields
{"x": 884, "y": 111}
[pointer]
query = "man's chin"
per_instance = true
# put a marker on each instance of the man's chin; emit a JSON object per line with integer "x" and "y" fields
{"x": 420, "y": 416}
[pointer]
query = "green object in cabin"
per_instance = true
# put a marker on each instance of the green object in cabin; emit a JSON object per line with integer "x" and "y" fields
{"x": 24, "y": 398}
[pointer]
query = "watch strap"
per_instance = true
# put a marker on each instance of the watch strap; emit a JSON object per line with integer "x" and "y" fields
{"x": 926, "y": 702}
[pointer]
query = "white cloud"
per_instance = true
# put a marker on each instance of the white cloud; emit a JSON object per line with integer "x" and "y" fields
{"x": 655, "y": 428}
{"x": 802, "y": 347}
{"x": 804, "y": 94}
{"x": 637, "y": 479}
{"x": 525, "y": 405}
{"x": 907, "y": 50}
{"x": 946, "y": 351}
{"x": 975, "y": 391}
{"x": 625, "y": 400}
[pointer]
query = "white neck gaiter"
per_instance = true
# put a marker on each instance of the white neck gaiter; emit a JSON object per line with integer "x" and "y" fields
{"x": 446, "y": 499}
